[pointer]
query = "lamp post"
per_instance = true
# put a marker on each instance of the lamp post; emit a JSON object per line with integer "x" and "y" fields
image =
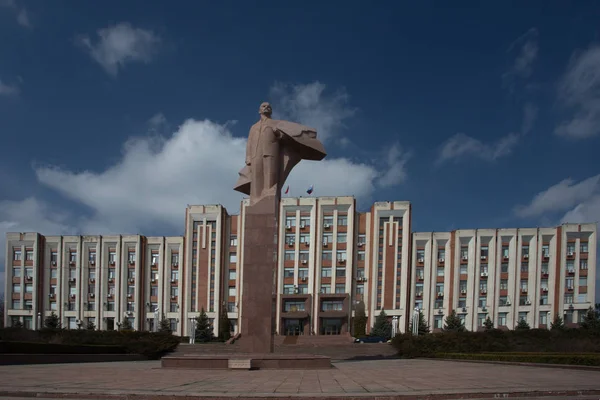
{"x": 192, "y": 330}
{"x": 156, "y": 320}
{"x": 394, "y": 325}
{"x": 39, "y": 320}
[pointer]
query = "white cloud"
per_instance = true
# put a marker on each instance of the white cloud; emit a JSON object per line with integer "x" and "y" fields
{"x": 579, "y": 90}
{"x": 527, "y": 48}
{"x": 22, "y": 16}
{"x": 530, "y": 113}
{"x": 566, "y": 195}
{"x": 312, "y": 106}
{"x": 8, "y": 90}
{"x": 461, "y": 146}
{"x": 120, "y": 44}
{"x": 394, "y": 166}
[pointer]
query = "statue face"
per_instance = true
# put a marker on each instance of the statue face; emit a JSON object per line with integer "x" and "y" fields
{"x": 265, "y": 109}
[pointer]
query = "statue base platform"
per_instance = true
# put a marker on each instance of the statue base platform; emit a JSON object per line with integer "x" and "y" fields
{"x": 247, "y": 361}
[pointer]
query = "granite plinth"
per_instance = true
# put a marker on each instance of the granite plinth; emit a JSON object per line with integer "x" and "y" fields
{"x": 258, "y": 276}
{"x": 247, "y": 361}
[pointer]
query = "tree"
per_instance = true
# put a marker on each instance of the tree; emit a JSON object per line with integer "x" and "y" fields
{"x": 360, "y": 320}
{"x": 382, "y": 326}
{"x": 522, "y": 325}
{"x": 126, "y": 325}
{"x": 224, "y": 324}
{"x": 488, "y": 324}
{"x": 591, "y": 321}
{"x": 164, "y": 326}
{"x": 52, "y": 321}
{"x": 17, "y": 324}
{"x": 453, "y": 323}
{"x": 558, "y": 324}
{"x": 423, "y": 326}
{"x": 204, "y": 331}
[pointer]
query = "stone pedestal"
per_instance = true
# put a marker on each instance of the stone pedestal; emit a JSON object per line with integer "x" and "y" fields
{"x": 258, "y": 279}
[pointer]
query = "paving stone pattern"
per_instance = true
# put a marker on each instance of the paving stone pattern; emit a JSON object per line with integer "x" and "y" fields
{"x": 347, "y": 378}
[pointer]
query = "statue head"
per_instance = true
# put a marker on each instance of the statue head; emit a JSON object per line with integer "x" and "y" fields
{"x": 265, "y": 109}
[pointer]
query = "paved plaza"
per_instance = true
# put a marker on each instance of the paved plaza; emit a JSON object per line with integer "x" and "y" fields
{"x": 396, "y": 378}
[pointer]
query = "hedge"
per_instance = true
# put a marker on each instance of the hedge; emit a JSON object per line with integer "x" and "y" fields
{"x": 574, "y": 341}
{"x": 150, "y": 344}
{"x": 543, "y": 358}
{"x": 52, "y": 348}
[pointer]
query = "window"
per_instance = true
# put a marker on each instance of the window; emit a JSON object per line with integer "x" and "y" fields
{"x": 570, "y": 248}
{"x": 523, "y": 316}
{"x": 112, "y": 257}
{"x": 503, "y": 301}
{"x": 583, "y": 281}
{"x": 362, "y": 239}
{"x": 525, "y": 251}
{"x": 504, "y": 251}
{"x": 73, "y": 290}
{"x": 439, "y": 303}
{"x": 305, "y": 239}
{"x": 154, "y": 259}
{"x": 439, "y": 288}
{"x": 483, "y": 268}
{"x": 420, "y": 255}
{"x": 92, "y": 257}
{"x": 174, "y": 258}
{"x": 464, "y": 253}
{"x": 53, "y": 256}
{"x": 303, "y": 273}
{"x": 504, "y": 284}
{"x": 582, "y": 298}
{"x": 340, "y": 288}
{"x": 290, "y": 239}
{"x": 72, "y": 273}
{"x": 29, "y": 288}
{"x": 92, "y": 274}
{"x": 502, "y": 319}
{"x": 303, "y": 289}
{"x": 332, "y": 305}
{"x": 288, "y": 272}
{"x": 326, "y": 255}
{"x": 288, "y": 289}
{"x": 361, "y": 255}
{"x": 583, "y": 264}
{"x": 340, "y": 272}
{"x": 327, "y": 238}
{"x": 525, "y": 267}
{"x": 29, "y": 255}
{"x": 545, "y": 269}
{"x": 342, "y": 220}
{"x": 174, "y": 276}
{"x": 462, "y": 286}
{"x": 481, "y": 317}
{"x": 154, "y": 291}
{"x": 441, "y": 255}
{"x": 462, "y": 303}
{"x": 53, "y": 306}
{"x": 524, "y": 285}
{"x": 341, "y": 237}
{"x": 130, "y": 273}
{"x": 570, "y": 266}
{"x": 111, "y": 273}
{"x": 568, "y": 298}
{"x": 484, "y": 252}
{"x": 440, "y": 271}
{"x": 131, "y": 256}
{"x": 463, "y": 269}
{"x": 483, "y": 286}
{"x": 173, "y": 324}
{"x": 543, "y": 299}
{"x": 16, "y": 272}
{"x": 569, "y": 284}
{"x": 303, "y": 255}
{"x": 327, "y": 221}
{"x": 289, "y": 255}
{"x": 110, "y": 306}
{"x": 546, "y": 251}
{"x": 325, "y": 288}
{"x": 16, "y": 304}
{"x": 17, "y": 255}
{"x": 304, "y": 222}
{"x": 232, "y": 257}
{"x": 438, "y": 321}
{"x": 482, "y": 302}
{"x": 53, "y": 273}
{"x": 232, "y": 274}
{"x": 232, "y": 291}
{"x": 290, "y": 221}
{"x": 543, "y": 318}
{"x": 583, "y": 248}
{"x": 341, "y": 255}
{"x": 293, "y": 306}
{"x": 174, "y": 291}
{"x": 360, "y": 289}
{"x": 419, "y": 289}
{"x": 325, "y": 272}
{"x": 233, "y": 241}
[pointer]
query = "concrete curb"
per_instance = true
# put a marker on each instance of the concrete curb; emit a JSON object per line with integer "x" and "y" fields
{"x": 521, "y": 364}
{"x": 270, "y": 396}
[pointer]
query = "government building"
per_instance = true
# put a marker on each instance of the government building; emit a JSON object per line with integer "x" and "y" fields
{"x": 331, "y": 258}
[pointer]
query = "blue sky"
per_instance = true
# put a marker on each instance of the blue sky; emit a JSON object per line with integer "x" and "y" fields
{"x": 116, "y": 115}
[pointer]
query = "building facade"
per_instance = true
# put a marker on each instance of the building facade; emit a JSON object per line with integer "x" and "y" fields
{"x": 330, "y": 258}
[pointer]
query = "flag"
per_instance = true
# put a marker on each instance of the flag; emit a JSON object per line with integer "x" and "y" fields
{"x": 287, "y": 190}
{"x": 310, "y": 189}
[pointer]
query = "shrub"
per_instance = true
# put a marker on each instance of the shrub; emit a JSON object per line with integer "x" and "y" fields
{"x": 204, "y": 332}
{"x": 382, "y": 326}
{"x": 544, "y": 358}
{"x": 531, "y": 340}
{"x": 52, "y": 321}
{"x": 453, "y": 323}
{"x": 151, "y": 345}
